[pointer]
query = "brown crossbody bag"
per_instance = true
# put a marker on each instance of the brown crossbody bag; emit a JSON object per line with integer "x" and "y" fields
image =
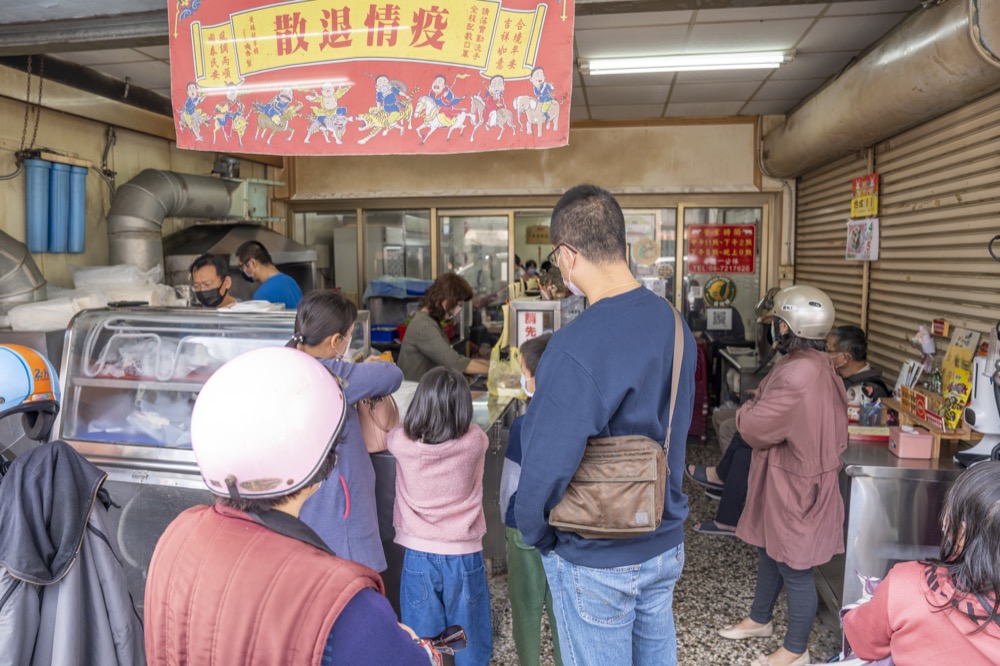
{"x": 618, "y": 490}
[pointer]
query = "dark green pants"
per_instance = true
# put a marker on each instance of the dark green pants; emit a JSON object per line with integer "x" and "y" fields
{"x": 529, "y": 597}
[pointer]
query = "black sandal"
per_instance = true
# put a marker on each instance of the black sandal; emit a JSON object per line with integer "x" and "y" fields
{"x": 700, "y": 477}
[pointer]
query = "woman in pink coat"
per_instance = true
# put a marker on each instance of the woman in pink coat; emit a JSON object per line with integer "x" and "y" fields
{"x": 797, "y": 426}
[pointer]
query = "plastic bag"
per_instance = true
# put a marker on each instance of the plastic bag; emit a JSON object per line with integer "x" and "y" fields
{"x": 52, "y": 314}
{"x": 505, "y": 364}
{"x": 122, "y": 276}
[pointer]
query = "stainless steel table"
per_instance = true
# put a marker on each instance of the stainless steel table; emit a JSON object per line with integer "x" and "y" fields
{"x": 892, "y": 508}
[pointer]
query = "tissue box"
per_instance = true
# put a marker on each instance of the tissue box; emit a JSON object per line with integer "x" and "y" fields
{"x": 916, "y": 444}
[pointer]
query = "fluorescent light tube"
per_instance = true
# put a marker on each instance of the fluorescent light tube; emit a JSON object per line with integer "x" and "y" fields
{"x": 687, "y": 63}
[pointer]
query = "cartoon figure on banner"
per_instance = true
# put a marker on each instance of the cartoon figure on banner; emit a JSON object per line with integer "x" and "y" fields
{"x": 493, "y": 111}
{"x": 277, "y": 115}
{"x": 229, "y": 116}
{"x": 445, "y": 99}
{"x": 540, "y": 109}
{"x": 192, "y": 117}
{"x": 329, "y": 117}
{"x": 392, "y": 108}
{"x": 439, "y": 109}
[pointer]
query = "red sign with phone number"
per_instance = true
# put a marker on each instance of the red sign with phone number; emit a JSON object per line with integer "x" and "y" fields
{"x": 721, "y": 248}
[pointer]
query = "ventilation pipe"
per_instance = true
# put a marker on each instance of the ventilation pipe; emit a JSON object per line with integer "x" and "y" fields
{"x": 937, "y": 61}
{"x": 20, "y": 279}
{"x": 135, "y": 221}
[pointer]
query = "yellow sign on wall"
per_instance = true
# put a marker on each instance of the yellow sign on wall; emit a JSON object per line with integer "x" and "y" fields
{"x": 537, "y": 235}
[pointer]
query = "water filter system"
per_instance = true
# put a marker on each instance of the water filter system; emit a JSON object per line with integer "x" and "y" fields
{"x": 56, "y": 206}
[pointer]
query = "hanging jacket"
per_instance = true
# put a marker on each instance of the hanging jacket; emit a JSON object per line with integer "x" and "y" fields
{"x": 63, "y": 595}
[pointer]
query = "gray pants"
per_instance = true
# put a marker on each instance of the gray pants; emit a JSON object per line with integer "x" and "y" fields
{"x": 802, "y": 600}
{"x": 724, "y": 424}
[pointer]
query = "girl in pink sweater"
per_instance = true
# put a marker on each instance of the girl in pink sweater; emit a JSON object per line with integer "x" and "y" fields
{"x": 439, "y": 517}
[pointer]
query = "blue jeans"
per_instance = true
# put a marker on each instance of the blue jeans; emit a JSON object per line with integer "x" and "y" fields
{"x": 616, "y": 616}
{"x": 440, "y": 590}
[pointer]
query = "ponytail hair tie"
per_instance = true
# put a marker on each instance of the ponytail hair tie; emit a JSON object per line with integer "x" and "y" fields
{"x": 298, "y": 339}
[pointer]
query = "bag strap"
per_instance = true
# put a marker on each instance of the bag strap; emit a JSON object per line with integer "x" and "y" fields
{"x": 675, "y": 378}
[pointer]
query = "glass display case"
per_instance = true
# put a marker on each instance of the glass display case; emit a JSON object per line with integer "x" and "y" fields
{"x": 131, "y": 376}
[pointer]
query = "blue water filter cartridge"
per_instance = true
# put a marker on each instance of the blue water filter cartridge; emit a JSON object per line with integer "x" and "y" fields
{"x": 77, "y": 208}
{"x": 37, "y": 204}
{"x": 59, "y": 207}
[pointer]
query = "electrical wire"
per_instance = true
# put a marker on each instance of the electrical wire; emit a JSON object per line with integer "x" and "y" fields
{"x": 989, "y": 247}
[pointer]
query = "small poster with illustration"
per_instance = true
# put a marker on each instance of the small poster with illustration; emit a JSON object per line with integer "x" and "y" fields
{"x": 862, "y": 240}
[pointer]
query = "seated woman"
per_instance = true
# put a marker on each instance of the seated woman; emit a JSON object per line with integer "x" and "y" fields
{"x": 942, "y": 611}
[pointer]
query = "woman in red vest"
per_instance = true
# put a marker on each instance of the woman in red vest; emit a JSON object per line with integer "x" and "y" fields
{"x": 244, "y": 581}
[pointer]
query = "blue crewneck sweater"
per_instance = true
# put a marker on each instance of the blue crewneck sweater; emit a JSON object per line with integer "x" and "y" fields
{"x": 605, "y": 374}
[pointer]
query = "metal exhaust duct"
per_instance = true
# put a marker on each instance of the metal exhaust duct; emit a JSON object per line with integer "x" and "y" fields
{"x": 937, "y": 61}
{"x": 135, "y": 221}
{"x": 20, "y": 279}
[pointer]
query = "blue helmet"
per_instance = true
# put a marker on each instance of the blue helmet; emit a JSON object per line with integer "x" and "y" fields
{"x": 28, "y": 386}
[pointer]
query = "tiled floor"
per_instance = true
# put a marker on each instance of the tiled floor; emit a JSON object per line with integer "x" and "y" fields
{"x": 715, "y": 589}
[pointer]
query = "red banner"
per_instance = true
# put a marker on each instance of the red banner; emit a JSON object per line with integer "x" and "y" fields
{"x": 356, "y": 77}
{"x": 721, "y": 248}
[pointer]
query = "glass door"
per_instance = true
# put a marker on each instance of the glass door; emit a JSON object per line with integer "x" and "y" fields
{"x": 721, "y": 278}
{"x": 475, "y": 246}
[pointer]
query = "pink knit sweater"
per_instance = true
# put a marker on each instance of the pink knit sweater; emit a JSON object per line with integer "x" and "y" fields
{"x": 439, "y": 493}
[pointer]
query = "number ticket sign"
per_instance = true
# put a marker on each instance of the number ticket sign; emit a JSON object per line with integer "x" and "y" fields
{"x": 356, "y": 77}
{"x": 721, "y": 248}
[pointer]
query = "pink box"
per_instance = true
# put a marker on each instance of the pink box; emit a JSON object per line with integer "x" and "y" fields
{"x": 916, "y": 444}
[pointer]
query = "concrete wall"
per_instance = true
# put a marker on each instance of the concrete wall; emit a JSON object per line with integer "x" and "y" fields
{"x": 84, "y": 139}
{"x": 688, "y": 158}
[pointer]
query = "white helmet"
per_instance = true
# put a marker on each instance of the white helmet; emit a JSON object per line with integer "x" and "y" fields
{"x": 265, "y": 422}
{"x": 808, "y": 311}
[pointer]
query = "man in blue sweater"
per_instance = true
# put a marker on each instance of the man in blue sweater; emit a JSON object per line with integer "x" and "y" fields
{"x": 607, "y": 373}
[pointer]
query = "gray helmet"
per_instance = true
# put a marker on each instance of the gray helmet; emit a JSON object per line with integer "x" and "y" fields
{"x": 808, "y": 311}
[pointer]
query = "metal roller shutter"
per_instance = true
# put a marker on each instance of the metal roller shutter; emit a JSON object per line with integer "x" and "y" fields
{"x": 822, "y": 208}
{"x": 939, "y": 206}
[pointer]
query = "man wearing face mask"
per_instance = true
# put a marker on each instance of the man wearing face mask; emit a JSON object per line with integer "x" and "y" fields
{"x": 424, "y": 345}
{"x": 275, "y": 287}
{"x": 848, "y": 349}
{"x": 211, "y": 282}
{"x": 608, "y": 373}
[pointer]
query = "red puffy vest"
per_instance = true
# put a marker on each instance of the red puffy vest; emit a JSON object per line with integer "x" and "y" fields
{"x": 223, "y": 589}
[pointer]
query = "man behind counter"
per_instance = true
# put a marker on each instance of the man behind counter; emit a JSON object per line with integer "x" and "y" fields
{"x": 211, "y": 282}
{"x": 275, "y": 286}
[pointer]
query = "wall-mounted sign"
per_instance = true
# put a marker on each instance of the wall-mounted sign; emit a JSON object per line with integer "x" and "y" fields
{"x": 720, "y": 292}
{"x": 537, "y": 235}
{"x": 721, "y": 248}
{"x": 862, "y": 240}
{"x": 864, "y": 196}
{"x": 645, "y": 252}
{"x": 340, "y": 77}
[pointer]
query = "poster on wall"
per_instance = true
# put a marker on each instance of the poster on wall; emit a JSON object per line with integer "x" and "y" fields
{"x": 862, "y": 240}
{"x": 721, "y": 248}
{"x": 864, "y": 196}
{"x": 353, "y": 77}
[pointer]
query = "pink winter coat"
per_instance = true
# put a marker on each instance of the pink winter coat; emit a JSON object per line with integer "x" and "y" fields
{"x": 797, "y": 426}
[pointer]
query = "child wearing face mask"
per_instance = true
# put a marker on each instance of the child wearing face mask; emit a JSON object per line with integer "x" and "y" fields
{"x": 526, "y": 583}
{"x": 342, "y": 512}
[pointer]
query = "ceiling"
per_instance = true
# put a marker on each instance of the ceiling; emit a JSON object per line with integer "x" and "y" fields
{"x": 826, "y": 37}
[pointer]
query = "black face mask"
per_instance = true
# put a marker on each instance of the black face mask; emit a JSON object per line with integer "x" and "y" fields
{"x": 210, "y": 297}
{"x": 246, "y": 277}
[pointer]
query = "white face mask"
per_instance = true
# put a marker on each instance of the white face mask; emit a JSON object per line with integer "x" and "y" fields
{"x": 346, "y": 356}
{"x": 454, "y": 313}
{"x": 572, "y": 287}
{"x": 524, "y": 387}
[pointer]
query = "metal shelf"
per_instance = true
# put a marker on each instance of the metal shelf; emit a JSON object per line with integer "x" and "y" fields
{"x": 130, "y": 384}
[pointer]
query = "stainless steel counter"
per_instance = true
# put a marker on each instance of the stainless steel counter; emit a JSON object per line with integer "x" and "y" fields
{"x": 892, "y": 509}
{"x": 494, "y": 415}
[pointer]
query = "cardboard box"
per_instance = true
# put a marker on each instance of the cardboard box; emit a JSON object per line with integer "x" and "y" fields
{"x": 917, "y": 443}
